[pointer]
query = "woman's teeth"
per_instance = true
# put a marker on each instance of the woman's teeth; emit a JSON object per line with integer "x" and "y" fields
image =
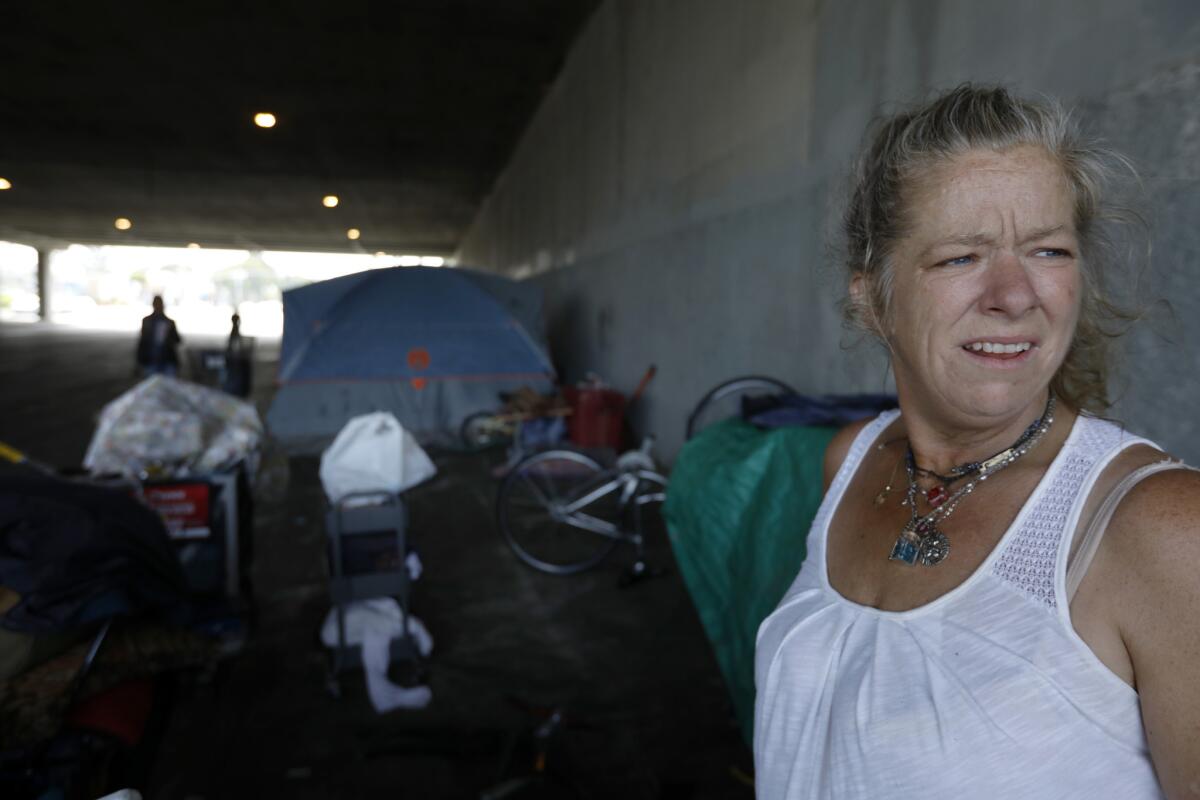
{"x": 990, "y": 347}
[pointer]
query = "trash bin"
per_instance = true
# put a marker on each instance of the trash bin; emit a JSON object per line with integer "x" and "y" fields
{"x": 227, "y": 370}
{"x": 206, "y": 367}
{"x": 207, "y": 518}
{"x": 209, "y": 521}
{"x": 237, "y": 376}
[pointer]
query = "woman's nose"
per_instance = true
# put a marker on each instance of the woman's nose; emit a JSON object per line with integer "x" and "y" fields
{"x": 1009, "y": 290}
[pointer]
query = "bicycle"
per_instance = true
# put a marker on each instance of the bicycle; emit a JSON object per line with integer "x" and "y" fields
{"x": 562, "y": 512}
{"x": 725, "y": 400}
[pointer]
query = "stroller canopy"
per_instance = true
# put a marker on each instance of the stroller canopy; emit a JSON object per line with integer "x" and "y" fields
{"x": 429, "y": 345}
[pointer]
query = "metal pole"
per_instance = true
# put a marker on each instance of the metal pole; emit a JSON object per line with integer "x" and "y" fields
{"x": 43, "y": 283}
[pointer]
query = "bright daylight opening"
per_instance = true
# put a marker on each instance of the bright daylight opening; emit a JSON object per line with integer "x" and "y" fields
{"x": 110, "y": 287}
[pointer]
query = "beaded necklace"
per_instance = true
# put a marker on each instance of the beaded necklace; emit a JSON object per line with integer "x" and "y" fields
{"x": 921, "y": 540}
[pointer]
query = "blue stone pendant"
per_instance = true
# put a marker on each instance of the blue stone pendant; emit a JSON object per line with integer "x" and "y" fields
{"x": 907, "y": 547}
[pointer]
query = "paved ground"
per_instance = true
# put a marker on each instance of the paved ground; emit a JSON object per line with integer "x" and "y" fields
{"x": 646, "y": 711}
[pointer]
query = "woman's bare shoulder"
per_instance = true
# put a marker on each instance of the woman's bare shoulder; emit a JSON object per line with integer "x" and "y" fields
{"x": 839, "y": 446}
{"x": 1156, "y": 526}
{"x": 1155, "y": 495}
{"x": 1159, "y": 515}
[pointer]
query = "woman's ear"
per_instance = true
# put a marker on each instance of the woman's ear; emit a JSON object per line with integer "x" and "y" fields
{"x": 858, "y": 289}
{"x": 860, "y": 298}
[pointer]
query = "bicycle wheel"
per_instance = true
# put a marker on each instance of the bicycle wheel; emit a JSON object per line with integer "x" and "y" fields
{"x": 725, "y": 400}
{"x": 479, "y": 431}
{"x": 560, "y": 511}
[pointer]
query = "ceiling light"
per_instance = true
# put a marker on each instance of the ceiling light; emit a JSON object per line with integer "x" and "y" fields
{"x": 5, "y": 183}
{"x": 410, "y": 261}
{"x": 193, "y": 246}
{"x": 122, "y": 223}
{"x": 264, "y": 119}
{"x": 330, "y": 201}
{"x": 353, "y": 233}
{"x": 432, "y": 261}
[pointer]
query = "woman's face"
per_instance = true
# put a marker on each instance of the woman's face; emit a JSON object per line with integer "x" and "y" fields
{"x": 986, "y": 286}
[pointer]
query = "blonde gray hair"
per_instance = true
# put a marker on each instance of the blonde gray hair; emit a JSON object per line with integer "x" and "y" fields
{"x": 903, "y": 147}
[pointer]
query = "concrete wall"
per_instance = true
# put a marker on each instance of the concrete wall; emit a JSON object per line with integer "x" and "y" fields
{"x": 674, "y": 192}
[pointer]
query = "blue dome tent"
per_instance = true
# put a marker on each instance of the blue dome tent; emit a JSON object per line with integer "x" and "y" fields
{"x": 430, "y": 345}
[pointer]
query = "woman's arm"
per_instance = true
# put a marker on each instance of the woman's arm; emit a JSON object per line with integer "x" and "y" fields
{"x": 1154, "y": 539}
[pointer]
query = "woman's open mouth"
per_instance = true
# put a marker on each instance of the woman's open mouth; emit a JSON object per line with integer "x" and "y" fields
{"x": 999, "y": 351}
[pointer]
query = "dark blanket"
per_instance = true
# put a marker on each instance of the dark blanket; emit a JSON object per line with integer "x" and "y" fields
{"x": 835, "y": 410}
{"x": 74, "y": 553}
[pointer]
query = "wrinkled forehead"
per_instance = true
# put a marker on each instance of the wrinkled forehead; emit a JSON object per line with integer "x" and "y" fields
{"x": 988, "y": 191}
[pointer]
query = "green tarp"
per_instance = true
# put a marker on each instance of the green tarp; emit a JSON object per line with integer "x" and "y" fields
{"x": 738, "y": 511}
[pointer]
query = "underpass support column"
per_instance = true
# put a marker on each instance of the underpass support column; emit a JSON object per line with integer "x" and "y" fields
{"x": 43, "y": 283}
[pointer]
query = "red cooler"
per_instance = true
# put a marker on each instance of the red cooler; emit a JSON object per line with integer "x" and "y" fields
{"x": 596, "y": 417}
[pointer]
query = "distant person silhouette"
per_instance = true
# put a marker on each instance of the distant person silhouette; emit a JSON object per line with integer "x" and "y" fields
{"x": 236, "y": 377}
{"x": 235, "y": 344}
{"x": 156, "y": 350}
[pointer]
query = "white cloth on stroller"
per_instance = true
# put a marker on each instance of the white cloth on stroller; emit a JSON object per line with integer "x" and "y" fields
{"x": 373, "y": 624}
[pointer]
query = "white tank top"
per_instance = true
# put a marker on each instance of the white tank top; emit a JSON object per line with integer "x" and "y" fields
{"x": 985, "y": 692}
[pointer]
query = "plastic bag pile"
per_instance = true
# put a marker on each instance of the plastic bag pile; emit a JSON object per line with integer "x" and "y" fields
{"x": 167, "y": 427}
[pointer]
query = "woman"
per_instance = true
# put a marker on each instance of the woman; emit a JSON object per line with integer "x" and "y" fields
{"x": 931, "y": 645}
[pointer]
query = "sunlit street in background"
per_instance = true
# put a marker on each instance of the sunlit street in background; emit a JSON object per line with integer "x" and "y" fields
{"x": 110, "y": 287}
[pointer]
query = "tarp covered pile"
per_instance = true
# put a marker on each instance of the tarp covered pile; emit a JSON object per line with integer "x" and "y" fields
{"x": 168, "y": 427}
{"x": 738, "y": 509}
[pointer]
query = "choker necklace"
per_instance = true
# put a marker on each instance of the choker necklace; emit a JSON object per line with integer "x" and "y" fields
{"x": 936, "y": 495}
{"x": 921, "y": 540}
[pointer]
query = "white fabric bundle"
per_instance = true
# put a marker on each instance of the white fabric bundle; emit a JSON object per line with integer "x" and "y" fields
{"x": 373, "y": 453}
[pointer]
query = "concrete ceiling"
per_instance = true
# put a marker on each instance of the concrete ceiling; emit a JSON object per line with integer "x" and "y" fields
{"x": 405, "y": 109}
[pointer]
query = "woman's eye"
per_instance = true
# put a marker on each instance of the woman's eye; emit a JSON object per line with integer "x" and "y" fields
{"x": 1053, "y": 252}
{"x": 957, "y": 261}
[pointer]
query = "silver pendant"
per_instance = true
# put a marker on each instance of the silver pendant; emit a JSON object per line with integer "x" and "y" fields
{"x": 934, "y": 548}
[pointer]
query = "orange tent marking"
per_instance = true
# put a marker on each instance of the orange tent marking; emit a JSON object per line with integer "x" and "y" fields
{"x": 418, "y": 358}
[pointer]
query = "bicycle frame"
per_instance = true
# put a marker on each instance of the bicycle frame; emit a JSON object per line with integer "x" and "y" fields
{"x": 628, "y": 482}
{"x": 562, "y": 512}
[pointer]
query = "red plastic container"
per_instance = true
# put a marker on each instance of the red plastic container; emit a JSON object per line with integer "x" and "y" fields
{"x": 596, "y": 417}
